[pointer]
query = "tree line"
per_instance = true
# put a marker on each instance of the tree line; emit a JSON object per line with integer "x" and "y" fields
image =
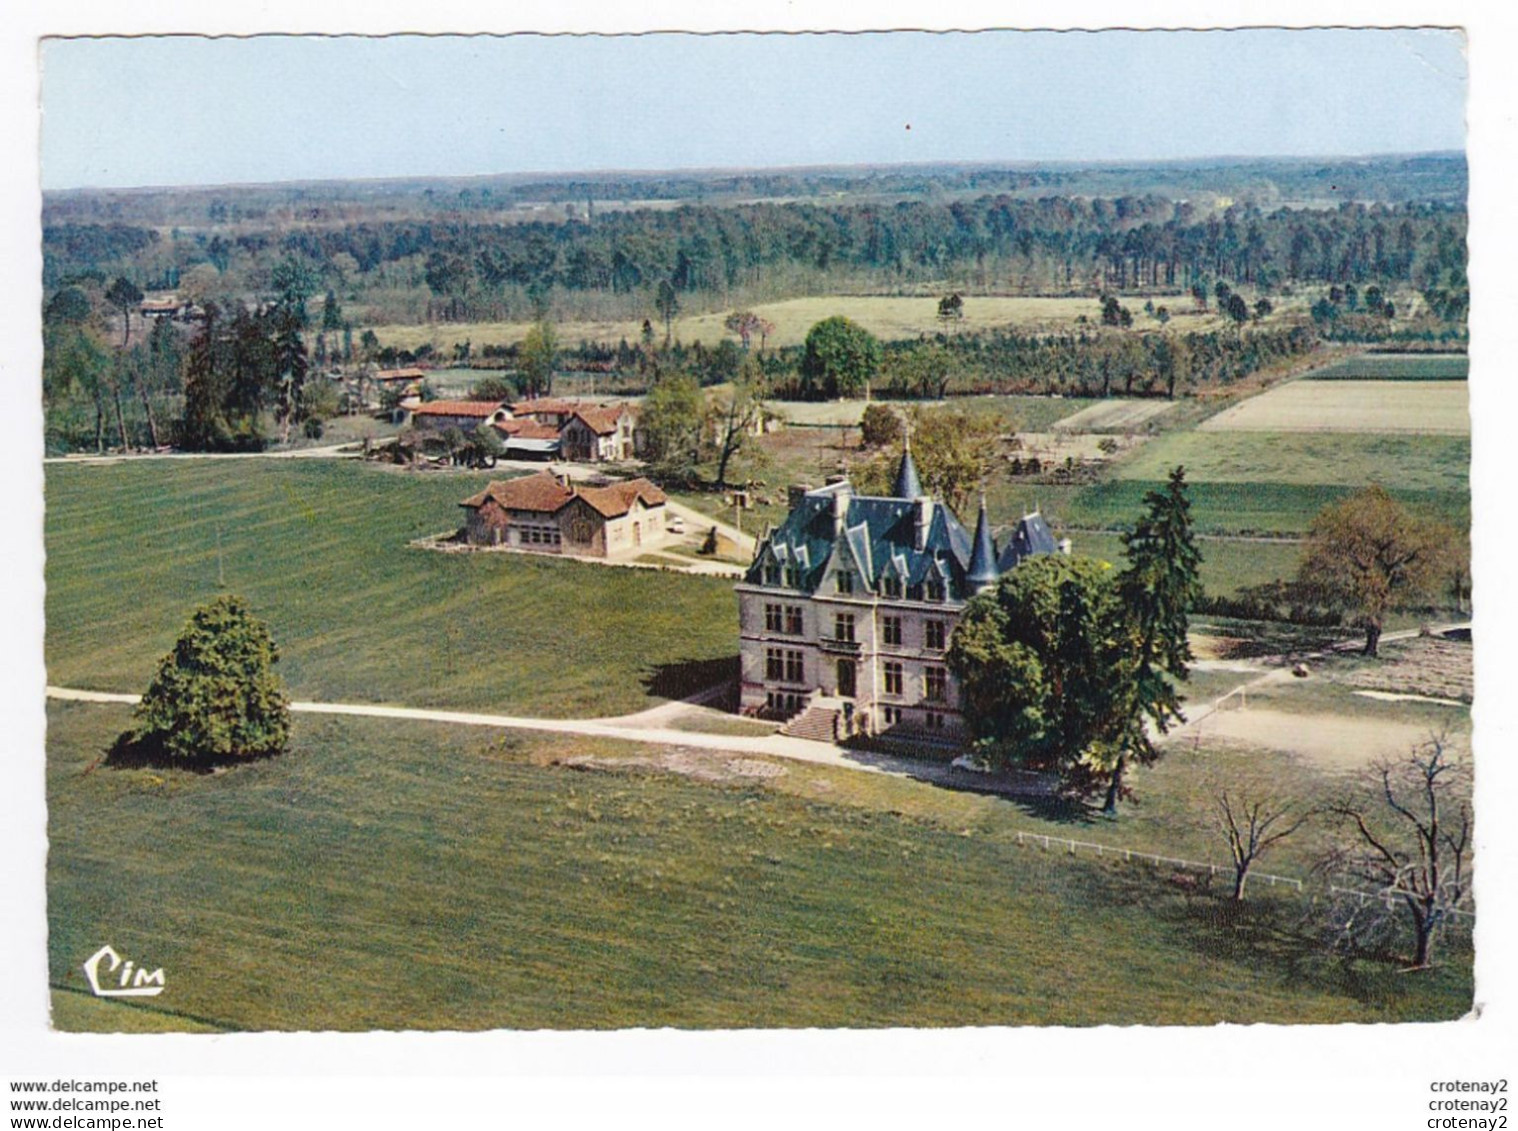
{"x": 464, "y": 270}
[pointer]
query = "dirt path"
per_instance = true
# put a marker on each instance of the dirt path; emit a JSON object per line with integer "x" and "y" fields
{"x": 698, "y": 520}
{"x": 333, "y": 451}
{"x": 643, "y": 727}
{"x": 1331, "y": 742}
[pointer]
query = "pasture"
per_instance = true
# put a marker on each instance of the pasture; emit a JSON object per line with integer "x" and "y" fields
{"x": 1424, "y": 406}
{"x": 303, "y": 893}
{"x": 1231, "y": 508}
{"x": 320, "y": 550}
{"x": 1115, "y": 415}
{"x": 1410, "y": 462}
{"x": 889, "y": 317}
{"x": 1395, "y": 367}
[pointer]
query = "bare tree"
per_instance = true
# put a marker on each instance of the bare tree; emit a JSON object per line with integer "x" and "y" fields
{"x": 1253, "y": 824}
{"x": 1411, "y": 839}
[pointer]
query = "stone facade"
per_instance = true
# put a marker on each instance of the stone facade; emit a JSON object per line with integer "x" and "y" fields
{"x": 855, "y": 598}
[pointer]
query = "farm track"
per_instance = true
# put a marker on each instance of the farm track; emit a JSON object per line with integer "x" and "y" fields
{"x": 648, "y": 726}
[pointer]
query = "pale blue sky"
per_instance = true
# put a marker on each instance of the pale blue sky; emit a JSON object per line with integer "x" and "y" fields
{"x": 162, "y": 111}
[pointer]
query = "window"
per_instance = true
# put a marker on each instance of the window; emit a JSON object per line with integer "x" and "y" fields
{"x": 784, "y": 665}
{"x": 772, "y": 621}
{"x": 933, "y": 720}
{"x": 782, "y": 702}
{"x": 891, "y": 715}
{"x": 934, "y": 589}
{"x": 935, "y": 635}
{"x": 843, "y": 627}
{"x": 936, "y": 685}
{"x": 893, "y": 677}
{"x": 844, "y": 580}
{"x": 890, "y": 630}
{"x": 793, "y": 576}
{"x": 890, "y": 586}
{"x": 771, "y": 573}
{"x": 793, "y": 620}
{"x": 914, "y": 592}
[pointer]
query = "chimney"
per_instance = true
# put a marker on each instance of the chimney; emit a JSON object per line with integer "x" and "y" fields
{"x": 923, "y": 522}
{"x": 795, "y": 493}
{"x": 840, "y": 512}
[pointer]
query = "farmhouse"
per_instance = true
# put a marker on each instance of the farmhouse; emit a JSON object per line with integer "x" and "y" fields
{"x": 437, "y": 416}
{"x": 600, "y": 433}
{"x": 549, "y": 514}
{"x": 846, "y": 612}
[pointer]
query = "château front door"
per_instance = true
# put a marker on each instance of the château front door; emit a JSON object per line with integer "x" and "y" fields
{"x": 846, "y": 688}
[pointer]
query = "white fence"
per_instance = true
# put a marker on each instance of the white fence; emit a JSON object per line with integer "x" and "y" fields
{"x": 1388, "y": 897}
{"x": 1128, "y": 855}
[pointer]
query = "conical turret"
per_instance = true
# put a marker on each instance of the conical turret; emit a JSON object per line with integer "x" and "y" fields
{"x": 983, "y": 572}
{"x": 908, "y": 485}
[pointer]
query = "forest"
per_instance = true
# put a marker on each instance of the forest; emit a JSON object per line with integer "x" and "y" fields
{"x": 500, "y": 250}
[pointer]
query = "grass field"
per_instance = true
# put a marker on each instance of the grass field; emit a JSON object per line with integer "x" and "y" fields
{"x": 1409, "y": 462}
{"x": 1395, "y": 367}
{"x": 1023, "y": 413}
{"x": 1352, "y": 406}
{"x": 385, "y": 875}
{"x": 888, "y": 317}
{"x": 1227, "y": 566}
{"x": 1115, "y": 415}
{"x": 1236, "y": 507}
{"x": 320, "y": 550}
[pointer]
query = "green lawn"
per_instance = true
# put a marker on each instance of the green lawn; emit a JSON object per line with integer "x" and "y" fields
{"x": 1243, "y": 508}
{"x": 390, "y": 875}
{"x": 1406, "y": 462}
{"x": 1227, "y": 566}
{"x": 1396, "y": 367}
{"x": 320, "y": 550}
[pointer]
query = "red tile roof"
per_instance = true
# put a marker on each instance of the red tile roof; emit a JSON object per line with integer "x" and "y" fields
{"x": 617, "y": 499}
{"x": 480, "y": 409}
{"x": 527, "y": 429}
{"x": 553, "y": 406}
{"x": 602, "y": 420}
{"x": 542, "y": 493}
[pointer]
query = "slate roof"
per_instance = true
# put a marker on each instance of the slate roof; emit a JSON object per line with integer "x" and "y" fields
{"x": 983, "y": 570}
{"x": 880, "y": 535}
{"x": 1030, "y": 536}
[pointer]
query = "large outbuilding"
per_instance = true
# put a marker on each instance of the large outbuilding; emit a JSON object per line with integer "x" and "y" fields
{"x": 549, "y": 514}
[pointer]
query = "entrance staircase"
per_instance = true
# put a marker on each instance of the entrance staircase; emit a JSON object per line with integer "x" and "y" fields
{"x": 818, "y": 721}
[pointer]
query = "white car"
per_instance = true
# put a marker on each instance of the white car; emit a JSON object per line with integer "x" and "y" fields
{"x": 970, "y": 763}
{"x": 675, "y": 525}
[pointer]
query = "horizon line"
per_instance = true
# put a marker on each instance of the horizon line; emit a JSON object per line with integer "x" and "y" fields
{"x": 694, "y": 171}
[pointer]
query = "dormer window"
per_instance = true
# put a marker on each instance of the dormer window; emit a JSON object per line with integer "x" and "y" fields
{"x": 844, "y": 582}
{"x": 890, "y": 586}
{"x": 933, "y": 589}
{"x": 793, "y": 576}
{"x": 771, "y": 573}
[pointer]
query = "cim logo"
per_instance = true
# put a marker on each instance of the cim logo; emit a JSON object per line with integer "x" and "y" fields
{"x": 133, "y": 981}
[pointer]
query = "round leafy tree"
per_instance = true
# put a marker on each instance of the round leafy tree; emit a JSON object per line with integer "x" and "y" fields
{"x": 216, "y": 697}
{"x": 839, "y": 359}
